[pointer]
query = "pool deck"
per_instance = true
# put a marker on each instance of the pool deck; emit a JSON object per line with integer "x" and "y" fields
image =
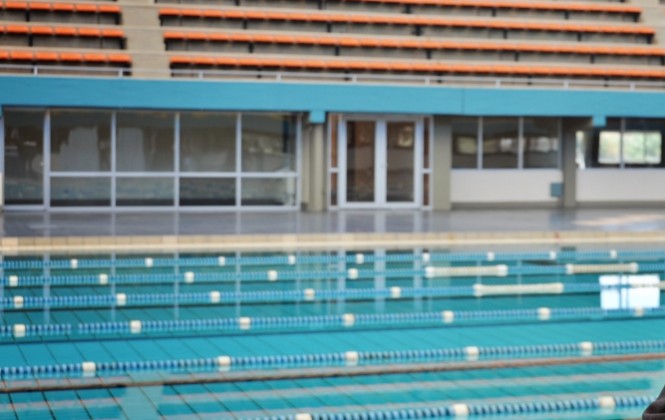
{"x": 171, "y": 231}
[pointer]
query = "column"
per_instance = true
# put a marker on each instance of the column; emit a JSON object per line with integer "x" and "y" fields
{"x": 316, "y": 175}
{"x": 442, "y": 163}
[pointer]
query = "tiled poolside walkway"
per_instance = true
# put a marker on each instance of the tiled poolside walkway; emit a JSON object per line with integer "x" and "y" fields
{"x": 341, "y": 222}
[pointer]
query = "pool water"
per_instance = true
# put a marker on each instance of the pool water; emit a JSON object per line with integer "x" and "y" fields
{"x": 332, "y": 335}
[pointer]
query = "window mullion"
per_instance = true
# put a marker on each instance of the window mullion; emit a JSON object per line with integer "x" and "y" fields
{"x": 622, "y": 127}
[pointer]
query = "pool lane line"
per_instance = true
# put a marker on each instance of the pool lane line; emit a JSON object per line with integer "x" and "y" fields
{"x": 341, "y": 358}
{"x": 166, "y": 401}
{"x": 358, "y": 258}
{"x": 468, "y": 385}
{"x": 20, "y": 302}
{"x": 604, "y": 404}
{"x": 14, "y": 281}
{"x": 622, "y": 397}
{"x": 315, "y": 323}
{"x": 191, "y": 378}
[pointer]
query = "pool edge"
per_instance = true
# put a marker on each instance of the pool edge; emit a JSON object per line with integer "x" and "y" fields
{"x": 262, "y": 242}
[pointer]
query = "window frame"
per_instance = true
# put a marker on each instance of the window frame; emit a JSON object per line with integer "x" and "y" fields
{"x": 175, "y": 174}
{"x": 521, "y": 146}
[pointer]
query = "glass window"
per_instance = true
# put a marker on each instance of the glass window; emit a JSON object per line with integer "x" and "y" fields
{"x": 426, "y": 190}
{"x": 207, "y": 191}
{"x": 145, "y": 142}
{"x": 541, "y": 142}
{"x": 606, "y": 146}
{"x": 360, "y": 161}
{"x": 80, "y": 141}
{"x": 641, "y": 147}
{"x": 465, "y": 142}
{"x": 80, "y": 191}
{"x": 400, "y": 165}
{"x": 207, "y": 142}
{"x": 609, "y": 150}
{"x": 500, "y": 142}
{"x": 144, "y": 191}
{"x": 268, "y": 143}
{"x": 333, "y": 189}
{"x": 268, "y": 191}
{"x": 24, "y": 160}
{"x": 643, "y": 142}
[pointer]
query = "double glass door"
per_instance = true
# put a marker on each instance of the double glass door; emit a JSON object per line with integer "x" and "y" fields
{"x": 380, "y": 163}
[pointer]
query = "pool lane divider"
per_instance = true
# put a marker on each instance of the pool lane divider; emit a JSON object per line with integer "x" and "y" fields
{"x": 19, "y": 302}
{"x": 323, "y": 322}
{"x": 226, "y": 374}
{"x": 353, "y": 273}
{"x": 349, "y": 320}
{"x": 605, "y": 404}
{"x": 349, "y": 358}
{"x": 351, "y": 258}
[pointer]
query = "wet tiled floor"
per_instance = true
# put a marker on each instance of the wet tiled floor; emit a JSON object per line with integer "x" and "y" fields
{"x": 169, "y": 223}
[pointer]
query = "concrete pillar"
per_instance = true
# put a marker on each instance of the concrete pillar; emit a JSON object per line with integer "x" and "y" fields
{"x": 569, "y": 154}
{"x": 442, "y": 163}
{"x": 318, "y": 193}
{"x": 145, "y": 43}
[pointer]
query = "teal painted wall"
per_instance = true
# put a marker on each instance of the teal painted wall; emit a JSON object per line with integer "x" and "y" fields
{"x": 306, "y": 97}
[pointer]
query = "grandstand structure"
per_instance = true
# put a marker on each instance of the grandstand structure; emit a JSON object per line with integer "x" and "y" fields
{"x": 330, "y": 104}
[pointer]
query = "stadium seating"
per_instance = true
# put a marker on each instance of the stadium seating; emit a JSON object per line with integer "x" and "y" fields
{"x": 35, "y": 11}
{"x": 560, "y": 39}
{"x": 56, "y": 36}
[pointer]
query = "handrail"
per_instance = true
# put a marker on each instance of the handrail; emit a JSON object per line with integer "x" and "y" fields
{"x": 271, "y": 76}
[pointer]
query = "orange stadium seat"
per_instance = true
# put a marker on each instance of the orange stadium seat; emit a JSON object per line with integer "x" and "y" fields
{"x": 410, "y": 66}
{"x": 118, "y": 58}
{"x": 61, "y": 31}
{"x": 55, "y": 56}
{"x": 71, "y": 56}
{"x": 46, "y": 56}
{"x": 409, "y": 20}
{"x": 350, "y": 41}
{"x": 550, "y": 6}
{"x": 61, "y": 7}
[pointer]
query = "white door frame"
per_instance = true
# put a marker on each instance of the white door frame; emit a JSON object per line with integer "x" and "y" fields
{"x": 380, "y": 163}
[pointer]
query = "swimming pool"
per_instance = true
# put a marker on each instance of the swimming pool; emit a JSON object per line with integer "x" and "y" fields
{"x": 563, "y": 333}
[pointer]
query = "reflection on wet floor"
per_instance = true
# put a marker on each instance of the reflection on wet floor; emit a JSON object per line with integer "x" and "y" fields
{"x": 184, "y": 223}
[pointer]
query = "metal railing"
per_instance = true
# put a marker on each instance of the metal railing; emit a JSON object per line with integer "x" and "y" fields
{"x": 285, "y": 76}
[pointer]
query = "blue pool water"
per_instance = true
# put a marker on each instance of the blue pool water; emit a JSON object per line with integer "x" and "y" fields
{"x": 338, "y": 335}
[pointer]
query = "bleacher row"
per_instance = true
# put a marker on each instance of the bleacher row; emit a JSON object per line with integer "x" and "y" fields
{"x": 588, "y": 40}
{"x": 33, "y": 6}
{"x": 61, "y": 35}
{"x": 393, "y": 66}
{"x": 346, "y": 41}
{"x": 487, "y": 7}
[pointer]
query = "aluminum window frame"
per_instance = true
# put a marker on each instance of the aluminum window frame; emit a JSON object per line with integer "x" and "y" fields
{"x": 174, "y": 175}
{"x": 521, "y": 147}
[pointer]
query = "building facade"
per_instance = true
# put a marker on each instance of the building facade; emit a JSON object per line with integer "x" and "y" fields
{"x": 99, "y": 144}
